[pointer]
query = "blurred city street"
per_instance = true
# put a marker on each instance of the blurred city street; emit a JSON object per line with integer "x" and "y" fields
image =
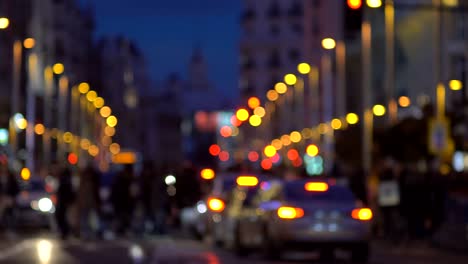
{"x": 162, "y": 250}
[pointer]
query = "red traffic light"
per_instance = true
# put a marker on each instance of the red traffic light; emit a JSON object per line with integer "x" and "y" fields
{"x": 354, "y": 4}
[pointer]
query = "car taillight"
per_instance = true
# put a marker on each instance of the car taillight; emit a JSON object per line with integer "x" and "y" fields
{"x": 363, "y": 214}
{"x": 216, "y": 205}
{"x": 290, "y": 212}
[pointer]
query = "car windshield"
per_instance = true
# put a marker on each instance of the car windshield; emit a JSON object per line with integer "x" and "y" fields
{"x": 296, "y": 192}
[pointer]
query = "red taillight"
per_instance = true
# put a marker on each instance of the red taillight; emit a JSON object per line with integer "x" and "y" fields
{"x": 290, "y": 212}
{"x": 53, "y": 198}
{"x": 216, "y": 205}
{"x": 363, "y": 214}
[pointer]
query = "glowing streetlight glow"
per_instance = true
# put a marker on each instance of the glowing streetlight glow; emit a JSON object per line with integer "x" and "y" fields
{"x": 83, "y": 88}
{"x": 312, "y": 150}
{"x": 336, "y": 124}
{"x": 295, "y": 136}
{"x": 105, "y": 111}
{"x": 404, "y": 101}
{"x": 58, "y": 68}
{"x": 111, "y": 121}
{"x": 242, "y": 114}
{"x": 39, "y": 129}
{"x": 85, "y": 144}
{"x": 91, "y": 96}
{"x": 114, "y": 148}
{"x": 4, "y": 22}
{"x": 98, "y": 102}
{"x": 109, "y": 131}
{"x": 328, "y": 43}
{"x": 303, "y": 68}
{"x": 272, "y": 95}
{"x": 29, "y": 43}
{"x": 253, "y": 102}
{"x": 67, "y": 137}
{"x": 255, "y": 120}
{"x": 355, "y": 4}
{"x": 290, "y": 79}
{"x": 269, "y": 151}
{"x": 93, "y": 150}
{"x": 352, "y": 118}
{"x": 374, "y": 3}
{"x": 455, "y": 85}
{"x": 25, "y": 174}
{"x": 260, "y": 111}
{"x": 281, "y": 88}
{"x": 379, "y": 110}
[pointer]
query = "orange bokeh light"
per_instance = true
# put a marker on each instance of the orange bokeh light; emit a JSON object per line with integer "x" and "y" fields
{"x": 235, "y": 122}
{"x": 225, "y": 131}
{"x": 72, "y": 158}
{"x": 253, "y": 102}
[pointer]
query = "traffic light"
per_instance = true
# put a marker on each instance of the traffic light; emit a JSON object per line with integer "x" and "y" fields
{"x": 352, "y": 17}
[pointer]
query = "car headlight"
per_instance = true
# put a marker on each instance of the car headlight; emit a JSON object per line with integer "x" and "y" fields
{"x": 45, "y": 205}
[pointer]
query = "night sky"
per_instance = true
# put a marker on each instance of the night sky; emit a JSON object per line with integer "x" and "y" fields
{"x": 167, "y": 32}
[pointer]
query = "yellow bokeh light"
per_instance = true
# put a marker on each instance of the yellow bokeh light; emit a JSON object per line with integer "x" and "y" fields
{"x": 303, "y": 68}
{"x": 105, "y": 111}
{"x": 25, "y": 174}
{"x": 328, "y": 43}
{"x": 290, "y": 79}
{"x": 109, "y": 131}
{"x": 91, "y": 96}
{"x": 323, "y": 128}
{"x": 281, "y": 88}
{"x": 336, "y": 123}
{"x": 295, "y": 136}
{"x": 286, "y": 140}
{"x": 260, "y": 111}
{"x": 58, "y": 68}
{"x": 39, "y": 129}
{"x": 374, "y": 3}
{"x": 84, "y": 144}
{"x": 98, "y": 102}
{"x": 352, "y": 118}
{"x": 269, "y": 151}
{"x": 404, "y": 101}
{"x": 306, "y": 133}
{"x": 277, "y": 144}
{"x": 93, "y": 150}
{"x": 272, "y": 95}
{"x": 83, "y": 87}
{"x": 22, "y": 124}
{"x": 111, "y": 121}
{"x": 255, "y": 120}
{"x": 4, "y": 22}
{"x": 312, "y": 150}
{"x": 455, "y": 85}
{"x": 114, "y": 148}
{"x": 242, "y": 114}
{"x": 379, "y": 110}
{"x": 67, "y": 137}
{"x": 29, "y": 43}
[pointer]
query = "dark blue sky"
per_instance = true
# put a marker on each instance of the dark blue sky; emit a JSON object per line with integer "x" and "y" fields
{"x": 167, "y": 31}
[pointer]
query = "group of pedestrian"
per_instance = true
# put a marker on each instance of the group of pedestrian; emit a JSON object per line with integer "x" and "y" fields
{"x": 410, "y": 201}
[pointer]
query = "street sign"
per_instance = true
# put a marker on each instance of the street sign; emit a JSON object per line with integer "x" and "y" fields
{"x": 439, "y": 136}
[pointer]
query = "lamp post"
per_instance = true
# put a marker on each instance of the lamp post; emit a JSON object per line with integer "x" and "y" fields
{"x": 328, "y": 44}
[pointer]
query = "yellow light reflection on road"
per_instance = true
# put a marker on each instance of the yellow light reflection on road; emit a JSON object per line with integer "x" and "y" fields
{"x": 44, "y": 251}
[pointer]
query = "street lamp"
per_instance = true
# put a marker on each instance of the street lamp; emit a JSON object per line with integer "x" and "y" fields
{"x": 4, "y": 22}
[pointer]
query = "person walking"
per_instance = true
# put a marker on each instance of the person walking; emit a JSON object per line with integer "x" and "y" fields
{"x": 9, "y": 189}
{"x": 89, "y": 202}
{"x": 65, "y": 199}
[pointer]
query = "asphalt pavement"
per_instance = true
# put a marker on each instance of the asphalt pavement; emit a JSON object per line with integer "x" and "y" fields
{"x": 46, "y": 248}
